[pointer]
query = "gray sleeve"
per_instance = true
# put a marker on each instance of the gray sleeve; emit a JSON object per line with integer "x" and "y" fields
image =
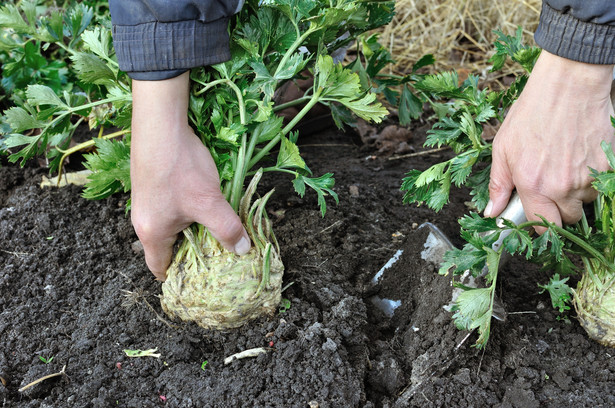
{"x": 580, "y": 30}
{"x": 160, "y": 39}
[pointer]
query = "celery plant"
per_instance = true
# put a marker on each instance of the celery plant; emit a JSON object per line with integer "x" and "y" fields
{"x": 233, "y": 110}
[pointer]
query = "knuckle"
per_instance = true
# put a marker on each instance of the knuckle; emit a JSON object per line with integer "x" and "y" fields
{"x": 144, "y": 227}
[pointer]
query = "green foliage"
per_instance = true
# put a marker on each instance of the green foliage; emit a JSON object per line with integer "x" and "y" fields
{"x": 399, "y": 91}
{"x": 273, "y": 43}
{"x": 110, "y": 167}
{"x": 462, "y": 111}
{"x": 560, "y": 292}
{"x": 233, "y": 104}
{"x": 513, "y": 47}
{"x": 59, "y": 72}
{"x": 465, "y": 109}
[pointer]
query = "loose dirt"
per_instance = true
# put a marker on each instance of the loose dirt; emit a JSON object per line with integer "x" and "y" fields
{"x": 74, "y": 286}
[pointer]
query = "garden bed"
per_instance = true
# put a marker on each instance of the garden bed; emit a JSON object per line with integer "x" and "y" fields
{"x": 74, "y": 286}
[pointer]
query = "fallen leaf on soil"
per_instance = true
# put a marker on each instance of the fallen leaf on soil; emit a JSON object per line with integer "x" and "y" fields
{"x": 394, "y": 139}
{"x": 366, "y": 132}
{"x": 78, "y": 178}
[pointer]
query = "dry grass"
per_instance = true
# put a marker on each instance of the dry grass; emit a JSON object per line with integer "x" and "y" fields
{"x": 459, "y": 33}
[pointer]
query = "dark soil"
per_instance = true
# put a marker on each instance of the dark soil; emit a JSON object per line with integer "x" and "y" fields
{"x": 73, "y": 288}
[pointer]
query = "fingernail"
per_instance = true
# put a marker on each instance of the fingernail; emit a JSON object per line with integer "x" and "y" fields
{"x": 488, "y": 209}
{"x": 243, "y": 246}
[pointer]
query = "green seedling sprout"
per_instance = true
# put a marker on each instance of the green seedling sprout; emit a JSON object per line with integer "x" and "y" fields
{"x": 284, "y": 305}
{"x": 46, "y": 360}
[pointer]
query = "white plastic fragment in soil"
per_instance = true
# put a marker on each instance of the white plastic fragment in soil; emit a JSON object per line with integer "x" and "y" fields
{"x": 435, "y": 246}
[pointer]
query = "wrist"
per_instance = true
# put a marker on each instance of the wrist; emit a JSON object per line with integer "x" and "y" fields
{"x": 577, "y": 77}
{"x": 161, "y": 106}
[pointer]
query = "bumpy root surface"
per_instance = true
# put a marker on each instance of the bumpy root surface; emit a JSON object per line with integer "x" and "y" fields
{"x": 218, "y": 289}
{"x": 596, "y": 312}
{"x": 226, "y": 292}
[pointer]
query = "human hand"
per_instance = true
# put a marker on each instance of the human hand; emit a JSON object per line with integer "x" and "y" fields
{"x": 550, "y": 138}
{"x": 174, "y": 178}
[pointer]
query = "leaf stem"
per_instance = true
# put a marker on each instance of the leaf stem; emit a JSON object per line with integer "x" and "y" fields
{"x": 235, "y": 88}
{"x": 572, "y": 237}
{"x": 312, "y": 28}
{"x": 273, "y": 142}
{"x": 290, "y": 104}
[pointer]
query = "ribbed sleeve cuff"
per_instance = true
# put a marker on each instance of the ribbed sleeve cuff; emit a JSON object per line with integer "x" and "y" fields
{"x": 568, "y": 37}
{"x": 156, "y": 51}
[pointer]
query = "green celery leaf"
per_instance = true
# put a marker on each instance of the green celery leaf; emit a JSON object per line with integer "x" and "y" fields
{"x": 410, "y": 106}
{"x": 295, "y": 10}
{"x": 471, "y": 306}
{"x": 11, "y": 18}
{"x": 608, "y": 149}
{"x": 263, "y": 111}
{"x": 549, "y": 237}
{"x": 267, "y": 130}
{"x": 54, "y": 26}
{"x": 231, "y": 134}
{"x": 19, "y": 119}
{"x": 43, "y": 95}
{"x": 475, "y": 223}
{"x": 424, "y": 61}
{"x": 92, "y": 70}
{"x": 444, "y": 132}
{"x": 366, "y": 108}
{"x": 31, "y": 148}
{"x": 480, "y": 187}
{"x": 98, "y": 41}
{"x": 321, "y": 185}
{"x": 295, "y": 64}
{"x": 434, "y": 173}
{"x": 485, "y": 113}
{"x": 461, "y": 167}
{"x": 264, "y": 78}
{"x": 518, "y": 241}
{"x": 289, "y": 157}
{"x": 527, "y": 57}
{"x": 342, "y": 115}
{"x": 438, "y": 196}
{"x": 110, "y": 167}
{"x": 443, "y": 83}
{"x": 560, "y": 292}
{"x": 77, "y": 19}
{"x": 344, "y": 86}
{"x": 469, "y": 258}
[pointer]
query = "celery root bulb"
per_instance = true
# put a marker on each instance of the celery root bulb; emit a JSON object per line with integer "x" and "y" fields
{"x": 218, "y": 289}
{"x": 225, "y": 290}
{"x": 595, "y": 305}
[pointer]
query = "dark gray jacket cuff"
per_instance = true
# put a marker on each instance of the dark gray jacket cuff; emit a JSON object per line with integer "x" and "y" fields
{"x": 564, "y": 35}
{"x": 157, "y": 50}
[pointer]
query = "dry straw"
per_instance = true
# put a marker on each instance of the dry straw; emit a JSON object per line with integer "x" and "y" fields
{"x": 459, "y": 33}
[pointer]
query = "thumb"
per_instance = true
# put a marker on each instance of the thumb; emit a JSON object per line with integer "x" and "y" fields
{"x": 224, "y": 224}
{"x": 500, "y": 188}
